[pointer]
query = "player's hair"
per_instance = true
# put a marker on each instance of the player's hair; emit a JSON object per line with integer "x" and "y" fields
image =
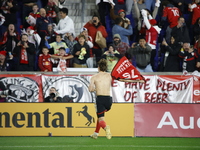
{"x": 102, "y": 64}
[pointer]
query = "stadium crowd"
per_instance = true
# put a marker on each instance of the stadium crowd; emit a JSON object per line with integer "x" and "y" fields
{"x": 155, "y": 35}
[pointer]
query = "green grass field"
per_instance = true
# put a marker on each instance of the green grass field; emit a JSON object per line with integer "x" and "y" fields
{"x": 86, "y": 143}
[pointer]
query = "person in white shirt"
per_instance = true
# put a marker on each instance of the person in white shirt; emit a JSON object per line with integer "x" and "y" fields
{"x": 66, "y": 24}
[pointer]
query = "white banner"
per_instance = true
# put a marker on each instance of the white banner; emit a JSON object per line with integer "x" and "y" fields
{"x": 156, "y": 89}
{"x": 69, "y": 87}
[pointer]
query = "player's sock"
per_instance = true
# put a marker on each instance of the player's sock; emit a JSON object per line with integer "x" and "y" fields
{"x": 97, "y": 127}
{"x": 102, "y": 124}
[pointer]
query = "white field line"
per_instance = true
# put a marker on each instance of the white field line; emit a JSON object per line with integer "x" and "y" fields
{"x": 121, "y": 146}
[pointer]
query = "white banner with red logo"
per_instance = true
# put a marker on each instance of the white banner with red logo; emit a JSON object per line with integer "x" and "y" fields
{"x": 167, "y": 120}
{"x": 156, "y": 89}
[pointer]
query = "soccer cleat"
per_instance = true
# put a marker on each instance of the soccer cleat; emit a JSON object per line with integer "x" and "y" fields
{"x": 94, "y": 136}
{"x": 108, "y": 134}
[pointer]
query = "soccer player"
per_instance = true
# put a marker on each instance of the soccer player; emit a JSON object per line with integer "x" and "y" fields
{"x": 101, "y": 83}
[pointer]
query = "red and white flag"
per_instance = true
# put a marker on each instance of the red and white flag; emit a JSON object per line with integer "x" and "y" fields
{"x": 125, "y": 71}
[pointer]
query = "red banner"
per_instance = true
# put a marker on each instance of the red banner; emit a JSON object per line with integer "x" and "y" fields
{"x": 167, "y": 120}
{"x": 21, "y": 87}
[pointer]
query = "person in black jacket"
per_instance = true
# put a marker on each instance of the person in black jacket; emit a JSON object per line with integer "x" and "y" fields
{"x": 190, "y": 56}
{"x": 180, "y": 32}
{"x": 8, "y": 8}
{"x": 196, "y": 29}
{"x": 171, "y": 62}
{"x": 53, "y": 96}
{"x": 24, "y": 54}
{"x": 81, "y": 53}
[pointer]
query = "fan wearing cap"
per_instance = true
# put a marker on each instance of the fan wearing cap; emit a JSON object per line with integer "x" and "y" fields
{"x": 120, "y": 46}
{"x": 5, "y": 64}
{"x": 33, "y": 36}
{"x": 121, "y": 14}
{"x": 152, "y": 33}
{"x": 88, "y": 40}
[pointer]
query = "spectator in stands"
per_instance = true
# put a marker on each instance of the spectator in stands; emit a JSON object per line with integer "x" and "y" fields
{"x": 24, "y": 54}
{"x": 70, "y": 41}
{"x": 26, "y": 9}
{"x": 42, "y": 22}
{"x": 151, "y": 36}
{"x": 88, "y": 38}
{"x": 81, "y": 53}
{"x": 195, "y": 9}
{"x": 171, "y": 61}
{"x": 181, "y": 5}
{"x": 31, "y": 19}
{"x": 5, "y": 62}
{"x": 122, "y": 15}
{"x": 93, "y": 26}
{"x": 53, "y": 96}
{"x": 44, "y": 61}
{"x": 33, "y": 37}
{"x": 129, "y": 5}
{"x": 52, "y": 10}
{"x": 10, "y": 39}
{"x": 170, "y": 14}
{"x": 120, "y": 46}
{"x": 141, "y": 53}
{"x": 103, "y": 9}
{"x": 124, "y": 33}
{"x": 9, "y": 10}
{"x": 112, "y": 56}
{"x": 89, "y": 41}
{"x": 62, "y": 60}
{"x": 57, "y": 44}
{"x": 197, "y": 44}
{"x": 66, "y": 24}
{"x": 196, "y": 29}
{"x": 50, "y": 35}
{"x": 140, "y": 29}
{"x": 180, "y": 32}
{"x": 191, "y": 59}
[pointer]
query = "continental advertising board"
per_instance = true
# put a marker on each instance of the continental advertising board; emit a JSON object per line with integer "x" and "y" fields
{"x": 62, "y": 119}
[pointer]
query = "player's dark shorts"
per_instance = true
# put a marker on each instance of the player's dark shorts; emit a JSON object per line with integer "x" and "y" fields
{"x": 104, "y": 104}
